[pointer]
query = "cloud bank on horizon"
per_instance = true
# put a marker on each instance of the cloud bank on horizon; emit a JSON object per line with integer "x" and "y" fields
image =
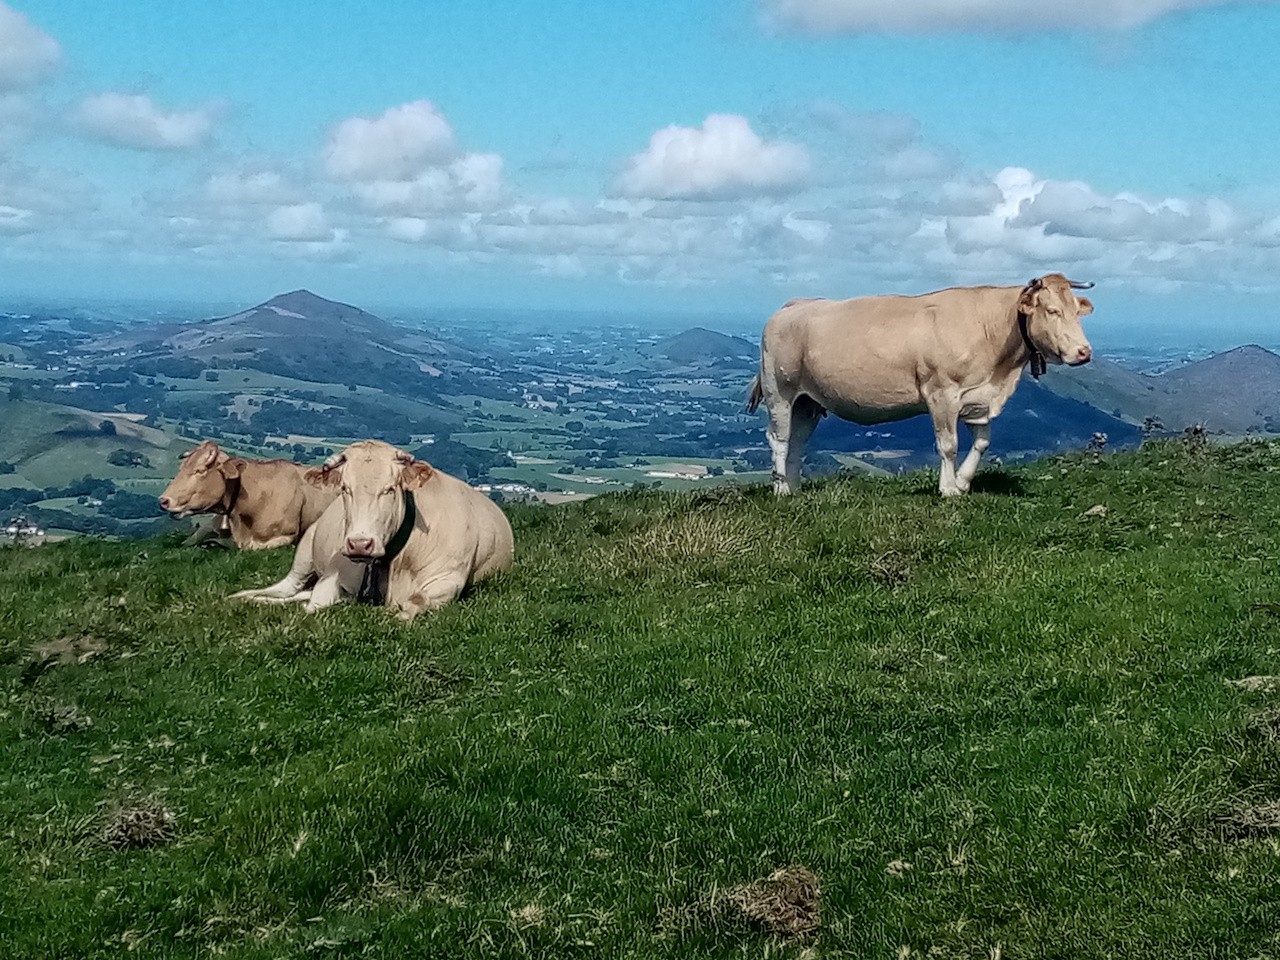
{"x": 818, "y": 196}
{"x": 935, "y": 16}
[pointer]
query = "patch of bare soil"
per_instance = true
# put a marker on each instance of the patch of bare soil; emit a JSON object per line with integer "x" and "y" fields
{"x": 69, "y": 650}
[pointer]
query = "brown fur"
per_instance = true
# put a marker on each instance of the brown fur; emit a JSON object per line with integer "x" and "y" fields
{"x": 266, "y": 502}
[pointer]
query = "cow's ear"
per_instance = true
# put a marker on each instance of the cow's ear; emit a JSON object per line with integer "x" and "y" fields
{"x": 210, "y": 457}
{"x": 1027, "y": 301}
{"x": 325, "y": 476}
{"x": 1086, "y": 306}
{"x": 415, "y": 473}
{"x": 232, "y": 468}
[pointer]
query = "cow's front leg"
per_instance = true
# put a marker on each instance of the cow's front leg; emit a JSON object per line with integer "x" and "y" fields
{"x": 431, "y": 595}
{"x": 282, "y": 591}
{"x": 944, "y": 431}
{"x": 981, "y": 433}
{"x": 325, "y": 593}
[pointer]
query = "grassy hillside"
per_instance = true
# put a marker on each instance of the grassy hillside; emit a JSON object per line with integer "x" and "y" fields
{"x": 51, "y": 445}
{"x": 998, "y": 727}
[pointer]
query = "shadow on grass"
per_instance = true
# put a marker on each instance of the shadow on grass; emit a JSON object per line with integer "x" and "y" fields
{"x": 1000, "y": 482}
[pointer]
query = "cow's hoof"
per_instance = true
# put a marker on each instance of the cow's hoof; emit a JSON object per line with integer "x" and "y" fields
{"x": 951, "y": 491}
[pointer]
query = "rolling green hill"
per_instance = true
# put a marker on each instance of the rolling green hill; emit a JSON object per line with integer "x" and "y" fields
{"x": 1008, "y": 726}
{"x": 50, "y": 444}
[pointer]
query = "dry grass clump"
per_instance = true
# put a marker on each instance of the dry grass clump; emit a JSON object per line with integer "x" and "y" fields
{"x": 787, "y": 903}
{"x": 892, "y": 568}
{"x": 694, "y": 536}
{"x": 59, "y": 718}
{"x": 1245, "y": 823}
{"x": 144, "y": 824}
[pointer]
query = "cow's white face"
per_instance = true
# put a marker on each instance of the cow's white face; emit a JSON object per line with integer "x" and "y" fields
{"x": 1053, "y": 320}
{"x": 371, "y": 477}
{"x": 201, "y": 482}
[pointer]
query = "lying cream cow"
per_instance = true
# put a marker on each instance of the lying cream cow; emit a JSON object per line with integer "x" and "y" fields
{"x": 401, "y": 534}
{"x": 266, "y": 503}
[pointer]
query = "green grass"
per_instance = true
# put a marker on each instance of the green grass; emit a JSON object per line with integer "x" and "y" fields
{"x": 672, "y": 694}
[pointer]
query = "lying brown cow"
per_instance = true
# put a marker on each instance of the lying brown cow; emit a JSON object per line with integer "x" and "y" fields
{"x": 402, "y": 534}
{"x": 956, "y": 354}
{"x": 267, "y": 503}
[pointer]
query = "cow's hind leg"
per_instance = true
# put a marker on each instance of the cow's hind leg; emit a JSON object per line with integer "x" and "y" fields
{"x": 432, "y": 595}
{"x": 981, "y": 433}
{"x": 805, "y": 414}
{"x": 779, "y": 436}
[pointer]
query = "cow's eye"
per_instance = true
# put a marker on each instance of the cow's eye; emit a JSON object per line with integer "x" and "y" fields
{"x": 346, "y": 491}
{"x": 389, "y": 491}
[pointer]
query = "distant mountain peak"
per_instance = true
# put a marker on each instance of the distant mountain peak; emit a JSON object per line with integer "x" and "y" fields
{"x": 300, "y": 301}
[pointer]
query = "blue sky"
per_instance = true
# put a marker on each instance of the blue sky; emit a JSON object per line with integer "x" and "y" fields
{"x": 711, "y": 157}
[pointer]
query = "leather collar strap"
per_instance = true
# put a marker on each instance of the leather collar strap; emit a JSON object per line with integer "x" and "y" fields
{"x": 1038, "y": 364}
{"x": 377, "y": 573}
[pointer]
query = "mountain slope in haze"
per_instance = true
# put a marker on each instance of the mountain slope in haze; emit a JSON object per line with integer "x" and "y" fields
{"x": 1237, "y": 391}
{"x": 306, "y": 337}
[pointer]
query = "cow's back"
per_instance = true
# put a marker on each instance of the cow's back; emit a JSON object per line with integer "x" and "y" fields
{"x": 276, "y": 503}
{"x": 467, "y": 532}
{"x": 866, "y": 359}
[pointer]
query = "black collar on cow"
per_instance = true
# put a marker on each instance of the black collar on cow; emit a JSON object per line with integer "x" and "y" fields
{"x": 229, "y": 498}
{"x": 1038, "y": 364}
{"x": 377, "y": 573}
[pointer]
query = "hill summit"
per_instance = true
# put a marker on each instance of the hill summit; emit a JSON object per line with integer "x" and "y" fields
{"x": 303, "y": 312}
{"x": 700, "y": 345}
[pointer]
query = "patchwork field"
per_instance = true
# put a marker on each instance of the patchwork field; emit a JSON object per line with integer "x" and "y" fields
{"x": 1040, "y": 722}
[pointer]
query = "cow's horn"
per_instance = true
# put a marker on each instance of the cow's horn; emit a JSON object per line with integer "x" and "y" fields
{"x": 336, "y": 460}
{"x": 1077, "y": 285}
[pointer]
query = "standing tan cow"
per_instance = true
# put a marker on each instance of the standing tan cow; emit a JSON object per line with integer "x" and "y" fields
{"x": 402, "y": 534}
{"x": 956, "y": 354}
{"x": 266, "y": 503}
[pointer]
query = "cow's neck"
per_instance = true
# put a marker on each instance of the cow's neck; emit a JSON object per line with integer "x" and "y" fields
{"x": 1016, "y": 348}
{"x": 376, "y": 579}
{"x": 230, "y": 494}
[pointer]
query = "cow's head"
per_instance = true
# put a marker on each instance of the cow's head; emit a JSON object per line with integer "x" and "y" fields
{"x": 371, "y": 477}
{"x": 201, "y": 483}
{"x": 1053, "y": 319}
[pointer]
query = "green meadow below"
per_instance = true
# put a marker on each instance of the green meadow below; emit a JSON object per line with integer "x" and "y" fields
{"x": 999, "y": 727}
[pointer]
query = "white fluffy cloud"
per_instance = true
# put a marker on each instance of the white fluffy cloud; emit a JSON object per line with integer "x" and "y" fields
{"x": 722, "y": 159}
{"x": 27, "y": 53}
{"x": 299, "y": 223}
{"x": 397, "y": 145}
{"x": 136, "y": 122}
{"x": 473, "y": 181}
{"x": 931, "y": 16}
{"x": 406, "y": 165}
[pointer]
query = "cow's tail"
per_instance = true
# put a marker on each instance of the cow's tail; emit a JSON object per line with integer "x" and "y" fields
{"x": 755, "y": 395}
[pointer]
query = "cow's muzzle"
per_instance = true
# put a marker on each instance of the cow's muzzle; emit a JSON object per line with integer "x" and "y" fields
{"x": 361, "y": 549}
{"x": 1079, "y": 357}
